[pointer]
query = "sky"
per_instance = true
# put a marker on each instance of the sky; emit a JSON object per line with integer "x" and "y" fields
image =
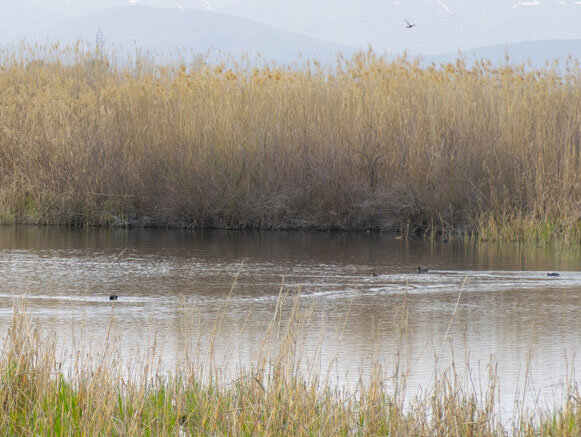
{"x": 441, "y": 25}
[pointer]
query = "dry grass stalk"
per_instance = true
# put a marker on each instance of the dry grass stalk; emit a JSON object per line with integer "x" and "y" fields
{"x": 275, "y": 397}
{"x": 87, "y": 139}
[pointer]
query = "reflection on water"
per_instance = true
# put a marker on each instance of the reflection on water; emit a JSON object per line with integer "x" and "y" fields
{"x": 172, "y": 286}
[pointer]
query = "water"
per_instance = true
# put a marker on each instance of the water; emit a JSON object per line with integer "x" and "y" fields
{"x": 174, "y": 285}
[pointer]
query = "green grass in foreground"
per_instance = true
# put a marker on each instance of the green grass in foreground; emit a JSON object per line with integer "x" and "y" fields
{"x": 272, "y": 398}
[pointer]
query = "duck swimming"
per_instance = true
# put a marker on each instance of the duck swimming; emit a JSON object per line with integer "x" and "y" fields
{"x": 422, "y": 270}
{"x": 554, "y": 275}
{"x": 113, "y": 297}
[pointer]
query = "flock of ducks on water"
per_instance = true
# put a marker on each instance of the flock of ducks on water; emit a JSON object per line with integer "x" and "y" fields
{"x": 420, "y": 270}
{"x": 424, "y": 270}
{"x": 374, "y": 274}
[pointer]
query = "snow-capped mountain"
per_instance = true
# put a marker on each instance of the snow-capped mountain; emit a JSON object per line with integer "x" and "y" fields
{"x": 178, "y": 4}
{"x": 75, "y": 8}
{"x": 442, "y": 26}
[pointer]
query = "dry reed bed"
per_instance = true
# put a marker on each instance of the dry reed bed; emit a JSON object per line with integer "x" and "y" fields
{"x": 95, "y": 397}
{"x": 368, "y": 144}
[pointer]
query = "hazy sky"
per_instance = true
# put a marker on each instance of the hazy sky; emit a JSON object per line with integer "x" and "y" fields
{"x": 441, "y": 25}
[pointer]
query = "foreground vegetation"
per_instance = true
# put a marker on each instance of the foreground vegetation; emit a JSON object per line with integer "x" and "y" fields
{"x": 97, "y": 397}
{"x": 88, "y": 139}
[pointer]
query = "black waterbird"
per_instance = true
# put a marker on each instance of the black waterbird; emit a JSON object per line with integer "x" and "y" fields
{"x": 422, "y": 270}
{"x": 554, "y": 275}
{"x": 113, "y": 297}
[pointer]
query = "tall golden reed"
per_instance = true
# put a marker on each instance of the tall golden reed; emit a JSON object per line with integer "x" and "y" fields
{"x": 90, "y": 139}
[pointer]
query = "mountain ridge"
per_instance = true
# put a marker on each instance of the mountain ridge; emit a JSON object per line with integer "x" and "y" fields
{"x": 167, "y": 30}
{"x": 442, "y": 25}
{"x": 538, "y": 53}
{"x": 164, "y": 30}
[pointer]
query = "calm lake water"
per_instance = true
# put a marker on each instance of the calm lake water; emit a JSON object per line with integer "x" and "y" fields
{"x": 174, "y": 285}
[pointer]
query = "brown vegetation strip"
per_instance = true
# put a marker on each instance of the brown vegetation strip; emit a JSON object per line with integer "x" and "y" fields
{"x": 368, "y": 144}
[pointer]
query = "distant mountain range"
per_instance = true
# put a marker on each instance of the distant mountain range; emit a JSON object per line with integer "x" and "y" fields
{"x": 194, "y": 25}
{"x": 165, "y": 30}
{"x": 442, "y": 25}
{"x": 538, "y": 53}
